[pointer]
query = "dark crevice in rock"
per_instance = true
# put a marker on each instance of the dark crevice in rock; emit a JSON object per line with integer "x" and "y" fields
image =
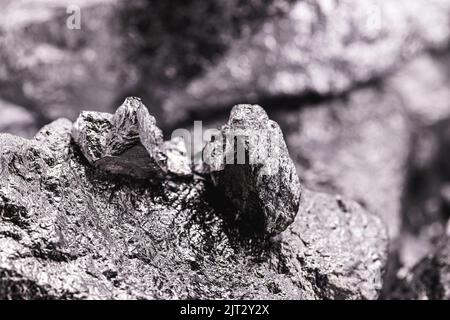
{"x": 14, "y": 287}
{"x": 52, "y": 253}
{"x": 13, "y": 212}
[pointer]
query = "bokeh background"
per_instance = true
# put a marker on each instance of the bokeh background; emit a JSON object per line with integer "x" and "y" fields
{"x": 360, "y": 88}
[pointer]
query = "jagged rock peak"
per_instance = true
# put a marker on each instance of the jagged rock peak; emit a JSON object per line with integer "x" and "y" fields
{"x": 250, "y": 162}
{"x": 128, "y": 143}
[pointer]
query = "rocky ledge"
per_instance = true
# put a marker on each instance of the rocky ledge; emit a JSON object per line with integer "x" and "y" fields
{"x": 104, "y": 208}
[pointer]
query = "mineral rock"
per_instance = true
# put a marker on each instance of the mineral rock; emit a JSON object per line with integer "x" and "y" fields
{"x": 250, "y": 163}
{"x": 129, "y": 143}
{"x": 322, "y": 224}
{"x": 134, "y": 144}
{"x": 178, "y": 161}
{"x": 83, "y": 234}
{"x": 90, "y": 131}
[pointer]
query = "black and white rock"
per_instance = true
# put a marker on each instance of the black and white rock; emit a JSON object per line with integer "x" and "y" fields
{"x": 329, "y": 227}
{"x": 129, "y": 143}
{"x": 250, "y": 163}
{"x": 86, "y": 234}
{"x": 105, "y": 208}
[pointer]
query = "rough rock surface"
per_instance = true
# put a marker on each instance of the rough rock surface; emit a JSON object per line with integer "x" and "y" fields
{"x": 249, "y": 162}
{"x": 129, "y": 143}
{"x": 82, "y": 233}
{"x": 356, "y": 124}
{"x": 357, "y": 145}
{"x": 328, "y": 227}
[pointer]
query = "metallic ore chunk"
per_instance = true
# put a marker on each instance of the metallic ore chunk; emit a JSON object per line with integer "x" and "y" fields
{"x": 336, "y": 230}
{"x": 89, "y": 132}
{"x": 134, "y": 144}
{"x": 251, "y": 164}
{"x": 79, "y": 235}
{"x": 128, "y": 143}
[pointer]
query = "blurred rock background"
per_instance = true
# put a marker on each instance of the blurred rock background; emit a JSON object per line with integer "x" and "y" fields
{"x": 360, "y": 89}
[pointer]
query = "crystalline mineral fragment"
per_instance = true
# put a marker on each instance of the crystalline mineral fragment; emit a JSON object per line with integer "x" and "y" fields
{"x": 250, "y": 164}
{"x": 128, "y": 143}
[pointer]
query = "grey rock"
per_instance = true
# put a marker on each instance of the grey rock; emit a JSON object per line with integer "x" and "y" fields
{"x": 129, "y": 143}
{"x": 178, "y": 161}
{"x": 90, "y": 131}
{"x": 323, "y": 221}
{"x": 134, "y": 144}
{"x": 250, "y": 163}
{"x": 357, "y": 145}
{"x": 83, "y": 234}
